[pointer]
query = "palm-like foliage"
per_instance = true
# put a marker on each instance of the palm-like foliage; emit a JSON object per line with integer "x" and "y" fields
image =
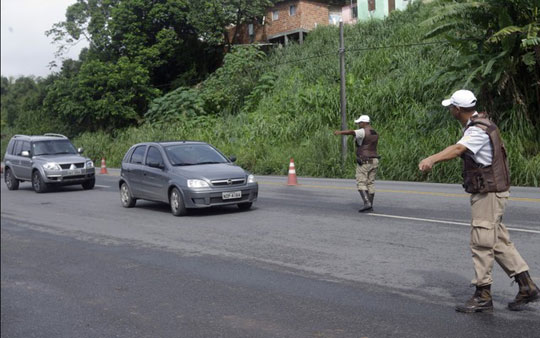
{"x": 499, "y": 44}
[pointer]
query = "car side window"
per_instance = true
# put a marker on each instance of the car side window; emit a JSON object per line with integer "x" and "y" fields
{"x": 26, "y": 146}
{"x": 18, "y": 148}
{"x": 154, "y": 156}
{"x": 10, "y": 147}
{"x": 138, "y": 155}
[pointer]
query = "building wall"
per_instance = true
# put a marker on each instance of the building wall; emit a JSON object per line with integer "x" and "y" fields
{"x": 381, "y": 8}
{"x": 347, "y": 14}
{"x": 309, "y": 14}
{"x": 314, "y": 14}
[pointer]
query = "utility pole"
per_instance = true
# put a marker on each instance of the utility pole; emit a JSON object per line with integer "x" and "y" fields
{"x": 343, "y": 97}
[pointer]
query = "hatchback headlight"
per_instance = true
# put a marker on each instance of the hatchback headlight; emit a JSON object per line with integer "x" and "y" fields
{"x": 197, "y": 184}
{"x": 251, "y": 179}
{"x": 89, "y": 164}
{"x": 51, "y": 166}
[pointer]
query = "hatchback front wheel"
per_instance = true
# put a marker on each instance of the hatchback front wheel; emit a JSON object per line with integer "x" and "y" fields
{"x": 177, "y": 203}
{"x": 125, "y": 196}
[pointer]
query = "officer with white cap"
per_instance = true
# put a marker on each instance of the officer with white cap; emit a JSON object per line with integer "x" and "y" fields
{"x": 367, "y": 159}
{"x": 486, "y": 177}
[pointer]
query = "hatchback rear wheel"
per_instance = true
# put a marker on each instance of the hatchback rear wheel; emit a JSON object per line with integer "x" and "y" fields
{"x": 177, "y": 203}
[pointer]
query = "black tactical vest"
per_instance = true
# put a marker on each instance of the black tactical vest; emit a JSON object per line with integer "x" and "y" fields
{"x": 495, "y": 177}
{"x": 368, "y": 148}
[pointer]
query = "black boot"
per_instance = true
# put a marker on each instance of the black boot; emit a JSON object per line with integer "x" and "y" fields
{"x": 371, "y": 198}
{"x": 479, "y": 302}
{"x": 528, "y": 292}
{"x": 365, "y": 197}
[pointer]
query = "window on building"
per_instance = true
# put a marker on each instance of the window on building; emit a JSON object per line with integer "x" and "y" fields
{"x": 275, "y": 15}
{"x": 251, "y": 33}
{"x": 334, "y": 18}
{"x": 371, "y": 5}
{"x": 354, "y": 12}
{"x": 292, "y": 10}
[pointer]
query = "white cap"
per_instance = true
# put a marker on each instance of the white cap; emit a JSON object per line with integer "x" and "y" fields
{"x": 461, "y": 98}
{"x": 363, "y": 118}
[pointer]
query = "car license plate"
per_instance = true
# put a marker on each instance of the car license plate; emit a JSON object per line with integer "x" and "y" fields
{"x": 74, "y": 172}
{"x": 231, "y": 195}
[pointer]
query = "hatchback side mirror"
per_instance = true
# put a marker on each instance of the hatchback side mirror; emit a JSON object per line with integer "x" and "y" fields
{"x": 153, "y": 164}
{"x": 232, "y": 158}
{"x": 80, "y": 150}
{"x": 25, "y": 153}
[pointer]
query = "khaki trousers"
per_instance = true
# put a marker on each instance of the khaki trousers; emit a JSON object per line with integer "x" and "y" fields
{"x": 490, "y": 239}
{"x": 365, "y": 175}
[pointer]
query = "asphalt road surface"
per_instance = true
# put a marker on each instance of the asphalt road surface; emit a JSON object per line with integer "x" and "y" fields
{"x": 301, "y": 263}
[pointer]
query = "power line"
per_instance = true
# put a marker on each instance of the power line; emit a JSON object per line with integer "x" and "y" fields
{"x": 360, "y": 49}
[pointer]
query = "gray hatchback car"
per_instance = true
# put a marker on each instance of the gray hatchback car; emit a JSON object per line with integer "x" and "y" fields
{"x": 46, "y": 160}
{"x": 184, "y": 174}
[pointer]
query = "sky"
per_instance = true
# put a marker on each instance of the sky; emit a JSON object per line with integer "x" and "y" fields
{"x": 25, "y": 48}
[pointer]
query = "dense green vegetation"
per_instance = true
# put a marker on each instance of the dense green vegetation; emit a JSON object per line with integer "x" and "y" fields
{"x": 266, "y": 108}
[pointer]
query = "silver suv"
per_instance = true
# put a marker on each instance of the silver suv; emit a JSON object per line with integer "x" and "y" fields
{"x": 46, "y": 160}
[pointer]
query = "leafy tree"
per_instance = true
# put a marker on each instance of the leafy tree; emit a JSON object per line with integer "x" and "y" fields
{"x": 154, "y": 34}
{"x": 101, "y": 96}
{"x": 225, "y": 90}
{"x": 211, "y": 18}
{"x": 499, "y": 42}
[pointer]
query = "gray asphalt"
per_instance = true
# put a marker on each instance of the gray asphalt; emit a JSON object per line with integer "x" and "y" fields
{"x": 302, "y": 263}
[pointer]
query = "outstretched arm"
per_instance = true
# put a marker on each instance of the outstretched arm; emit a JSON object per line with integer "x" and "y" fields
{"x": 449, "y": 153}
{"x": 344, "y": 132}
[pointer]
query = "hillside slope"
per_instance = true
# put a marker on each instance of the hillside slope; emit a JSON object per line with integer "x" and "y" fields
{"x": 268, "y": 109}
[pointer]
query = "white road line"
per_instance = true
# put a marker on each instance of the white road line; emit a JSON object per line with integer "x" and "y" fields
{"x": 102, "y": 186}
{"x": 445, "y": 222}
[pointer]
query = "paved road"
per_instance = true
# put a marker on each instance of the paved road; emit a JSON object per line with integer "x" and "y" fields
{"x": 302, "y": 263}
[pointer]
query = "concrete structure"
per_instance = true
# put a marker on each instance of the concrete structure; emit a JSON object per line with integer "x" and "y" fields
{"x": 379, "y": 9}
{"x": 291, "y": 20}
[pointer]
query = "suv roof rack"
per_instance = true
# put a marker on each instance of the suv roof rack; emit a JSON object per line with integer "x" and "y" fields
{"x": 55, "y": 135}
{"x": 19, "y": 135}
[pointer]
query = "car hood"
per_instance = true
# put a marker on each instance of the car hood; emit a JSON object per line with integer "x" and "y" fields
{"x": 210, "y": 171}
{"x": 60, "y": 158}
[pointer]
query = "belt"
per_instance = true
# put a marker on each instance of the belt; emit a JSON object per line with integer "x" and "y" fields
{"x": 369, "y": 160}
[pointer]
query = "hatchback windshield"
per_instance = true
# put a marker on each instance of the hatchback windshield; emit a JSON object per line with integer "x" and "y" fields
{"x": 53, "y": 147}
{"x": 192, "y": 154}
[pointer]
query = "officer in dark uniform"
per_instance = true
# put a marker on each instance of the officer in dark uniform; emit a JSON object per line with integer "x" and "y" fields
{"x": 367, "y": 159}
{"x": 487, "y": 178}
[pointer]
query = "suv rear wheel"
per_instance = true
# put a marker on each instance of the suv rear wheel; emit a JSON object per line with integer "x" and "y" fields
{"x": 37, "y": 182}
{"x": 11, "y": 182}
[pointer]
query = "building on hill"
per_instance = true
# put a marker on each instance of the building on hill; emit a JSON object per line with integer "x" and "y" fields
{"x": 379, "y": 9}
{"x": 291, "y": 20}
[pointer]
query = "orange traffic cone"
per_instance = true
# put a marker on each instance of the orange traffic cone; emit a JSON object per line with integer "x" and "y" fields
{"x": 292, "y": 174}
{"x": 103, "y": 166}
